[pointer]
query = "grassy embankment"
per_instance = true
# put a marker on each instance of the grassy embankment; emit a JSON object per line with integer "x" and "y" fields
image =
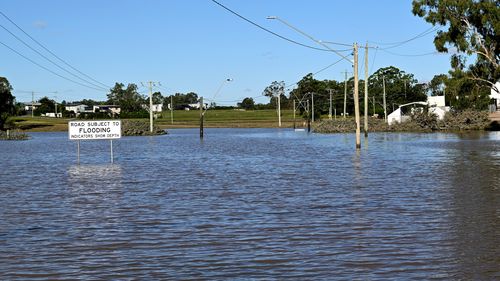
{"x": 182, "y": 119}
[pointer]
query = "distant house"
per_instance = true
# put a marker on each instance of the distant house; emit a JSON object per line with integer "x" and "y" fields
{"x": 197, "y": 105}
{"x": 28, "y": 106}
{"x": 435, "y": 104}
{"x": 156, "y": 107}
{"x": 52, "y": 114}
{"x": 112, "y": 109}
{"x": 78, "y": 108}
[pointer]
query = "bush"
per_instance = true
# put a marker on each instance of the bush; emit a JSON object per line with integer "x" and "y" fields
{"x": 135, "y": 114}
{"x": 139, "y": 128}
{"x": 466, "y": 120}
{"x": 13, "y": 135}
{"x": 420, "y": 122}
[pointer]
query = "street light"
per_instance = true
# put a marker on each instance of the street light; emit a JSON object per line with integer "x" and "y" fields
{"x": 227, "y": 80}
{"x": 202, "y": 112}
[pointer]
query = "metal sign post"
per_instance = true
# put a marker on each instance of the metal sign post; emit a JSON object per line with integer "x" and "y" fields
{"x": 78, "y": 149}
{"x": 111, "y": 154}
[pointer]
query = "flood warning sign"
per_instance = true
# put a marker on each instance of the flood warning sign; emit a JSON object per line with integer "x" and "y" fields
{"x": 95, "y": 130}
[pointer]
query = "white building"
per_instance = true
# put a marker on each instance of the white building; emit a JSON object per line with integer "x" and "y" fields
{"x": 495, "y": 94}
{"x": 78, "y": 108}
{"x": 156, "y": 107}
{"x": 113, "y": 109}
{"x": 31, "y": 106}
{"x": 436, "y": 105}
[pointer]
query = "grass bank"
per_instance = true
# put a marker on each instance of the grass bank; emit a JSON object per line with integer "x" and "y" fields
{"x": 181, "y": 119}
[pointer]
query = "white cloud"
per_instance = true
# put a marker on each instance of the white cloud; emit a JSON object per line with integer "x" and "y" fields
{"x": 40, "y": 24}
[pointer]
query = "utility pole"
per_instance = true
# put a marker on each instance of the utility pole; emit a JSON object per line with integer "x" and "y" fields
{"x": 365, "y": 128}
{"x": 330, "y": 110}
{"x": 279, "y": 108}
{"x": 171, "y": 109}
{"x": 312, "y": 105}
{"x": 55, "y": 105}
{"x": 32, "y": 104}
{"x": 150, "y": 106}
{"x": 294, "y": 114}
{"x": 356, "y": 98}
{"x": 345, "y": 93}
{"x": 405, "y": 89}
{"x": 201, "y": 117}
{"x": 373, "y": 105}
{"x": 308, "y": 118}
{"x": 385, "y": 106}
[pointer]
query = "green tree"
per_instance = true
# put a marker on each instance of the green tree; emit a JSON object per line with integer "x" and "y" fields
{"x": 7, "y": 101}
{"x": 158, "y": 98}
{"x": 46, "y": 105}
{"x": 472, "y": 27}
{"x": 181, "y": 100}
{"x": 247, "y": 103}
{"x": 128, "y": 99}
{"x": 400, "y": 88}
{"x": 191, "y": 98}
{"x": 437, "y": 86}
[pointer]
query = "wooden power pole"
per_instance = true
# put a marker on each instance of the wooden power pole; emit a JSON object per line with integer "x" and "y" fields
{"x": 356, "y": 98}
{"x": 385, "y": 104}
{"x": 201, "y": 117}
{"x": 365, "y": 128}
{"x": 345, "y": 93}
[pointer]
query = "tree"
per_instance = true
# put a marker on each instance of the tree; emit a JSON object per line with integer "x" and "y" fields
{"x": 472, "y": 28}
{"x": 400, "y": 88}
{"x": 191, "y": 98}
{"x": 46, "y": 105}
{"x": 272, "y": 91}
{"x": 158, "y": 98}
{"x": 437, "y": 86}
{"x": 247, "y": 103}
{"x": 180, "y": 100}
{"x": 128, "y": 99}
{"x": 7, "y": 101}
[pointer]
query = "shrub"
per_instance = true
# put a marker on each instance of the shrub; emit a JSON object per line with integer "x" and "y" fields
{"x": 139, "y": 128}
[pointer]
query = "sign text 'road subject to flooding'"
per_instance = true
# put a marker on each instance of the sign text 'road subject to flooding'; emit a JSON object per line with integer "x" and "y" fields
{"x": 94, "y": 130}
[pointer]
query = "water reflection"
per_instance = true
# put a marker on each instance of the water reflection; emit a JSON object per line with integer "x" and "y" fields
{"x": 474, "y": 206}
{"x": 252, "y": 203}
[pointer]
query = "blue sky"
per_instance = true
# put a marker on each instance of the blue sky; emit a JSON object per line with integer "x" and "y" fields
{"x": 194, "y": 45}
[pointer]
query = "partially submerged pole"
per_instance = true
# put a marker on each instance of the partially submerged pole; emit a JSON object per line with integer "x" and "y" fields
{"x": 365, "y": 128}
{"x": 308, "y": 118}
{"x": 356, "y": 98}
{"x": 201, "y": 117}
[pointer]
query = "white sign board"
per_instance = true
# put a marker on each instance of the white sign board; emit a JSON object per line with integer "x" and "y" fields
{"x": 95, "y": 130}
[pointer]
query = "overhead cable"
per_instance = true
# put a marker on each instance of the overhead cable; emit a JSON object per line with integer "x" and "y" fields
{"x": 270, "y": 31}
{"x": 53, "y": 54}
{"x": 49, "y": 70}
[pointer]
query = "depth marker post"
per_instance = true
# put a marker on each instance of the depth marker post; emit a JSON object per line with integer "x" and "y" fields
{"x": 111, "y": 152}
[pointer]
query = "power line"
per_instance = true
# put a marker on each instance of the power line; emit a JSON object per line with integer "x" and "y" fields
{"x": 49, "y": 70}
{"x": 410, "y": 55}
{"x": 46, "y": 49}
{"x": 397, "y": 44}
{"x": 321, "y": 70}
{"x": 270, "y": 31}
{"x": 49, "y": 60}
{"x": 373, "y": 61}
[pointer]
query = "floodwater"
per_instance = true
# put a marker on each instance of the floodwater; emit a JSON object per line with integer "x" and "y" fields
{"x": 251, "y": 204}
